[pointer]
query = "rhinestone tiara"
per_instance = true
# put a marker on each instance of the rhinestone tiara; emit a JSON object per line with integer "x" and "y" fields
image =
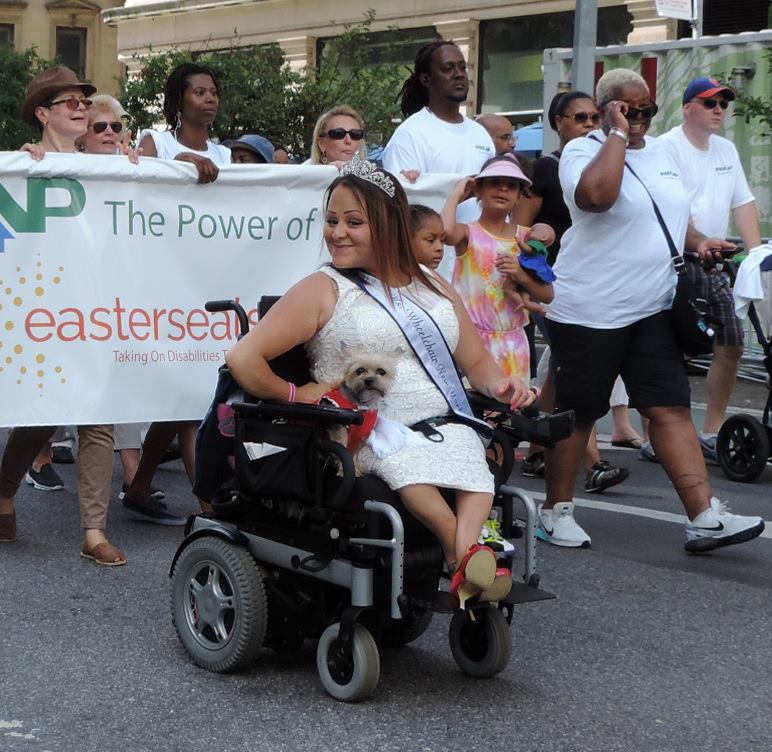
{"x": 362, "y": 168}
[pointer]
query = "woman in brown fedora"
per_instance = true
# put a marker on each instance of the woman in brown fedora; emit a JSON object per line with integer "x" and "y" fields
{"x": 58, "y": 104}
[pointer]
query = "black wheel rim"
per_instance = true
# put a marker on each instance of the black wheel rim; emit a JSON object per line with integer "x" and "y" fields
{"x": 742, "y": 448}
{"x": 474, "y": 637}
{"x": 340, "y": 663}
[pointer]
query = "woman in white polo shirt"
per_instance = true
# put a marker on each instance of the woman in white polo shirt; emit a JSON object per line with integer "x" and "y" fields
{"x": 611, "y": 312}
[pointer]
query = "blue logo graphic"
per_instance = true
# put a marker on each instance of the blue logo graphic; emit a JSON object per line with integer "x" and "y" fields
{"x": 5, "y": 234}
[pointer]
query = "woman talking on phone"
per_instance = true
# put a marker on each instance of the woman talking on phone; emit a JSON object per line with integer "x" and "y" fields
{"x": 611, "y": 312}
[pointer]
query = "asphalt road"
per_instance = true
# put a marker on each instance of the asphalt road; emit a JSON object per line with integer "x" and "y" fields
{"x": 645, "y": 649}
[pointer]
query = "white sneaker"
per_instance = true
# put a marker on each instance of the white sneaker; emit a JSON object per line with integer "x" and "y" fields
{"x": 490, "y": 535}
{"x": 716, "y": 527}
{"x": 558, "y": 526}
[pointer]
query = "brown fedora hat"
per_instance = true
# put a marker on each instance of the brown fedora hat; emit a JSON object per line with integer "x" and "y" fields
{"x": 45, "y": 85}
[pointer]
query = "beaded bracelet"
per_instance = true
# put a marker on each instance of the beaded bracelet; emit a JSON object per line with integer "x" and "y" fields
{"x": 293, "y": 392}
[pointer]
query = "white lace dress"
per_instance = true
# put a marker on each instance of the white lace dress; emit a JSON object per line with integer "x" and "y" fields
{"x": 362, "y": 324}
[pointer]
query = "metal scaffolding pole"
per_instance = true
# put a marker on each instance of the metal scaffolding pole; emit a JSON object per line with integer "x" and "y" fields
{"x": 585, "y": 37}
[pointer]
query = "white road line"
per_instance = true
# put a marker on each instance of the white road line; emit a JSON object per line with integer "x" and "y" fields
{"x": 652, "y": 514}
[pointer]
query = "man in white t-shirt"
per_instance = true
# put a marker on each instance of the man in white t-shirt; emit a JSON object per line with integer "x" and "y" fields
{"x": 711, "y": 171}
{"x": 436, "y": 136}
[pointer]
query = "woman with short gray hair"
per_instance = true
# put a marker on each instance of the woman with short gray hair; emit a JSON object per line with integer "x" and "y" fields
{"x": 611, "y": 312}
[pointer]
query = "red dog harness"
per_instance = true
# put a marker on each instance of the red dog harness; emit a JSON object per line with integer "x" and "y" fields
{"x": 356, "y": 434}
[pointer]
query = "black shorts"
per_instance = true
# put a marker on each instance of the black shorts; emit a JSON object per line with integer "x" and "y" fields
{"x": 715, "y": 290}
{"x": 585, "y": 363}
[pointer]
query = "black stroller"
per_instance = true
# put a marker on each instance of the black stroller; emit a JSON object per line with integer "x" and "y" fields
{"x": 743, "y": 443}
{"x": 299, "y": 547}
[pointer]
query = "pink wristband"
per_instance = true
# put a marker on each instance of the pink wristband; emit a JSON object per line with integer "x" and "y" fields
{"x": 293, "y": 392}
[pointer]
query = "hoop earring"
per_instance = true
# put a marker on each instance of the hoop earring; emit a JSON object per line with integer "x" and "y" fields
{"x": 324, "y": 158}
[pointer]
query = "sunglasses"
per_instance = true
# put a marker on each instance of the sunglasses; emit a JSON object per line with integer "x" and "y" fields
{"x": 338, "y": 134}
{"x": 710, "y": 104}
{"x": 648, "y": 112}
{"x": 72, "y": 103}
{"x": 583, "y": 117}
{"x": 101, "y": 126}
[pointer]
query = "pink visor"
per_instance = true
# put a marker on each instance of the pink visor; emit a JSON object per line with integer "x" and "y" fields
{"x": 505, "y": 167}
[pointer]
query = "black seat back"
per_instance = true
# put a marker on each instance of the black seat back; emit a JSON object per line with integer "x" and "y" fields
{"x": 293, "y": 365}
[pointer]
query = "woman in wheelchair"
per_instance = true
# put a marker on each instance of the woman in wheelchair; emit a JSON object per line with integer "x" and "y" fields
{"x": 373, "y": 298}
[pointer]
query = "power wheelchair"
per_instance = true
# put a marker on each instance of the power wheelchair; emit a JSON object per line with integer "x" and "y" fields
{"x": 298, "y": 546}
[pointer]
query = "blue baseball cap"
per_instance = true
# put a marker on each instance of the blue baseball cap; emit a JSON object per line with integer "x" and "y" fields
{"x": 705, "y": 87}
{"x": 259, "y": 145}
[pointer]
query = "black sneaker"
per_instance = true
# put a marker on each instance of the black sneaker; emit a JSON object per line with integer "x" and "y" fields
{"x": 62, "y": 454}
{"x": 603, "y": 475}
{"x": 533, "y": 466}
{"x": 153, "y": 511}
{"x": 155, "y": 493}
{"x": 45, "y": 479}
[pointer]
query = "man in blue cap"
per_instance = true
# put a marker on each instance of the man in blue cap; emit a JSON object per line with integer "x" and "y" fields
{"x": 711, "y": 171}
{"x": 251, "y": 149}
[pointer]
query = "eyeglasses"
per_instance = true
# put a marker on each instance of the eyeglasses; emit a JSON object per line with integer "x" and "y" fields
{"x": 101, "y": 125}
{"x": 648, "y": 112}
{"x": 710, "y": 104}
{"x": 583, "y": 117}
{"x": 72, "y": 103}
{"x": 338, "y": 134}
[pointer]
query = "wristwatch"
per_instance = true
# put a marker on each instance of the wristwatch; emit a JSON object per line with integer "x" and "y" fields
{"x": 619, "y": 132}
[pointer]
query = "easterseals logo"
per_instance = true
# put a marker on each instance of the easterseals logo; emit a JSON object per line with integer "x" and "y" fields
{"x": 46, "y": 197}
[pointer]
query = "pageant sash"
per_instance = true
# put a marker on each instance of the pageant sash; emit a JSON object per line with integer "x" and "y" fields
{"x": 428, "y": 343}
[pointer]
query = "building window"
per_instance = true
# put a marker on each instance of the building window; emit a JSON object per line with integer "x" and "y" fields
{"x": 395, "y": 47}
{"x": 722, "y": 17}
{"x": 511, "y": 53}
{"x": 6, "y": 35}
{"x": 71, "y": 48}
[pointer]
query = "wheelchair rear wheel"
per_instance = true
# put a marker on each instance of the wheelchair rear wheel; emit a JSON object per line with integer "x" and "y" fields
{"x": 404, "y": 631}
{"x": 348, "y": 678}
{"x": 742, "y": 448}
{"x": 481, "y": 646}
{"x": 218, "y": 604}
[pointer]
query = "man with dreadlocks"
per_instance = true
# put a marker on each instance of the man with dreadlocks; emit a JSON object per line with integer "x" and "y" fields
{"x": 435, "y": 136}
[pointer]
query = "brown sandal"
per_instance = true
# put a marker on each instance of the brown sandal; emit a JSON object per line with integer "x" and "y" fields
{"x": 8, "y": 527}
{"x": 104, "y": 553}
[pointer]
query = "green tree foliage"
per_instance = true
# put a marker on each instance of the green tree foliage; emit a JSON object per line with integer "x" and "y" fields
{"x": 17, "y": 69}
{"x": 749, "y": 108}
{"x": 263, "y": 94}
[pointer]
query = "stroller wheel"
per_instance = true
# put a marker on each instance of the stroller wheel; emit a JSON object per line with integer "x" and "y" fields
{"x": 348, "y": 676}
{"x": 481, "y": 646}
{"x": 742, "y": 448}
{"x": 218, "y": 604}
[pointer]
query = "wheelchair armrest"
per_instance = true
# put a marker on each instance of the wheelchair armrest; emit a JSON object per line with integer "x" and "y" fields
{"x": 528, "y": 424}
{"x": 543, "y": 429}
{"x": 483, "y": 403}
{"x": 321, "y": 414}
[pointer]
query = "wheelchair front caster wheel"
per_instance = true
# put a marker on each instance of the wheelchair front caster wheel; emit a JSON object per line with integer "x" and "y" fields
{"x": 480, "y": 641}
{"x": 348, "y": 676}
{"x": 218, "y": 604}
{"x": 742, "y": 448}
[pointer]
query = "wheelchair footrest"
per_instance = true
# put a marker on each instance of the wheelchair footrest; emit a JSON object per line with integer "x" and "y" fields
{"x": 522, "y": 593}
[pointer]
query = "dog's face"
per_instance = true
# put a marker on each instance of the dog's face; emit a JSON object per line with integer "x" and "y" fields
{"x": 369, "y": 375}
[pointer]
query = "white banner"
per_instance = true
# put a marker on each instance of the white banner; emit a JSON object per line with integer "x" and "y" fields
{"x": 105, "y": 267}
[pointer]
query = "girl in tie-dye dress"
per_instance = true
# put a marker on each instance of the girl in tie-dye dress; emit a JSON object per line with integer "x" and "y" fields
{"x": 495, "y": 289}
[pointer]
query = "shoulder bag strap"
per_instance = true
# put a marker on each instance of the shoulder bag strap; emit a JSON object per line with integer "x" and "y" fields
{"x": 678, "y": 259}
